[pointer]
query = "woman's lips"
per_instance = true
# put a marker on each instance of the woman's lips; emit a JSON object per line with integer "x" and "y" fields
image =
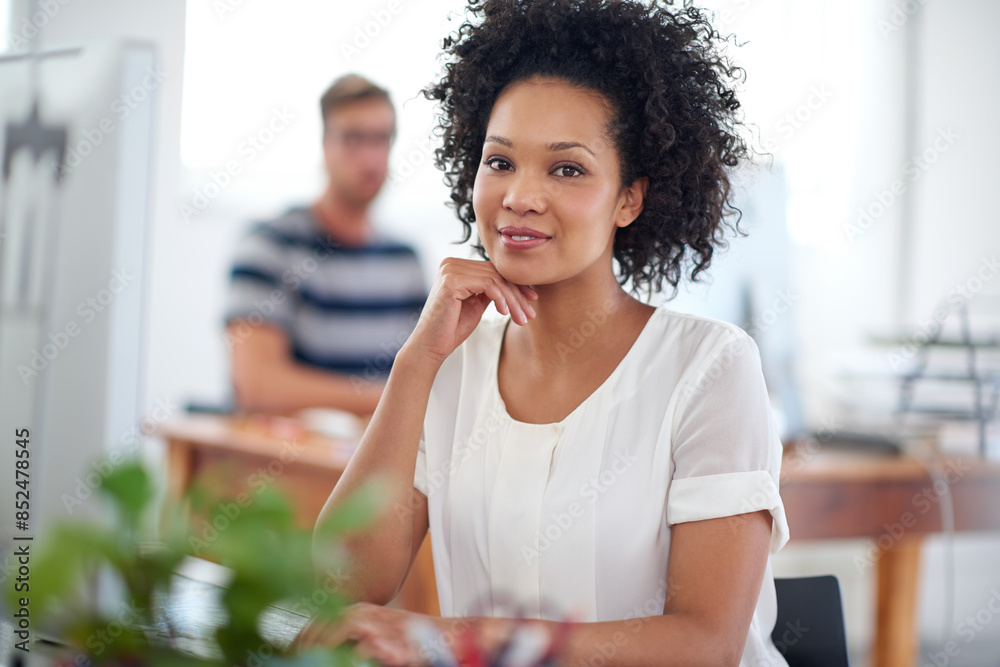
{"x": 522, "y": 238}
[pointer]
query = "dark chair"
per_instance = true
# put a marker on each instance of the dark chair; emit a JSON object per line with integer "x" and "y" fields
{"x": 809, "y": 630}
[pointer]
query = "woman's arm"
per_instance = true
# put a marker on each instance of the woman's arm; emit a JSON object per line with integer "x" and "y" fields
{"x": 382, "y": 552}
{"x": 713, "y": 582}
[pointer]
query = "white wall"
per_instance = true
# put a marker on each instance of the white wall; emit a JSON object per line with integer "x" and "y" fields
{"x": 160, "y": 23}
{"x": 956, "y": 221}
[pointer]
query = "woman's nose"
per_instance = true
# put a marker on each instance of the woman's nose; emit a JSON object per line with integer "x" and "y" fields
{"x": 526, "y": 193}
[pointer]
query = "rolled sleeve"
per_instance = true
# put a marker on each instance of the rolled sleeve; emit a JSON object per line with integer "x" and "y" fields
{"x": 726, "y": 449}
{"x": 728, "y": 494}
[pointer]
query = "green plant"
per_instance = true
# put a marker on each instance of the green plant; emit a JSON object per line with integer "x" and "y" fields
{"x": 269, "y": 558}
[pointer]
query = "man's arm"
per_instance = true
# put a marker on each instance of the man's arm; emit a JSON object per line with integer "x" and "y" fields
{"x": 267, "y": 379}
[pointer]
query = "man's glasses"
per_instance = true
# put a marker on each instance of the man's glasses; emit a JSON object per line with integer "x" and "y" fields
{"x": 356, "y": 139}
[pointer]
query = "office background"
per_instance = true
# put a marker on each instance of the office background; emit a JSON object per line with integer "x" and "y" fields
{"x": 880, "y": 116}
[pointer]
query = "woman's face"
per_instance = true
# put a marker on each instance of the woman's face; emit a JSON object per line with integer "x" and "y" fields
{"x": 548, "y": 195}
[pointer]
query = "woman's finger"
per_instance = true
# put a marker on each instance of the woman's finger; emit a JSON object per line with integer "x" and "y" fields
{"x": 513, "y": 300}
{"x": 528, "y": 292}
{"x": 316, "y": 633}
{"x": 523, "y": 311}
{"x": 352, "y": 626}
{"x": 497, "y": 295}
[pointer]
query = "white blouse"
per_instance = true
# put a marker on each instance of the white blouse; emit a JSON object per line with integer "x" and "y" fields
{"x": 573, "y": 519}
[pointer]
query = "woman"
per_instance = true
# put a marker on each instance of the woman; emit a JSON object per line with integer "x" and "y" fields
{"x": 600, "y": 459}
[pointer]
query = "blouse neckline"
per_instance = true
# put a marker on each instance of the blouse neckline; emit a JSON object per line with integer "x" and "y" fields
{"x": 608, "y": 381}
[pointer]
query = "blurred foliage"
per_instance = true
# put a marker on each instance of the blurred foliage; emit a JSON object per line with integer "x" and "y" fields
{"x": 256, "y": 537}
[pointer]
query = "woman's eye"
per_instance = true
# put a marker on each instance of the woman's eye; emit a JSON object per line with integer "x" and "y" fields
{"x": 569, "y": 170}
{"x": 498, "y": 163}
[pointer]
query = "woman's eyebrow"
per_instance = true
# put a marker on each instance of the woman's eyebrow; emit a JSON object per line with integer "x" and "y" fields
{"x": 503, "y": 141}
{"x": 566, "y": 145}
{"x": 553, "y": 147}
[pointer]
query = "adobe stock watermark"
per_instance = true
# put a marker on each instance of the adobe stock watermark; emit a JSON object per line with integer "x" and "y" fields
{"x": 375, "y": 369}
{"x": 128, "y": 444}
{"x": 734, "y": 349}
{"x": 959, "y": 295}
{"x": 263, "y": 309}
{"x": 766, "y": 492}
{"x": 258, "y": 480}
{"x": 247, "y": 151}
{"x": 32, "y": 25}
{"x": 638, "y": 618}
{"x": 121, "y": 108}
{"x": 809, "y": 448}
{"x": 794, "y": 120}
{"x": 967, "y": 629}
{"x": 223, "y": 8}
{"x": 923, "y": 501}
{"x": 561, "y": 523}
{"x": 791, "y": 634}
{"x": 781, "y": 303}
{"x": 333, "y": 583}
{"x": 364, "y": 34}
{"x": 578, "y": 335}
{"x": 59, "y": 340}
{"x": 913, "y": 169}
{"x": 641, "y": 614}
{"x": 434, "y": 652}
{"x": 900, "y": 13}
{"x": 262, "y": 656}
{"x": 407, "y": 164}
{"x": 764, "y": 497}
{"x": 723, "y": 362}
{"x": 101, "y": 639}
{"x": 727, "y": 15}
{"x": 435, "y": 479}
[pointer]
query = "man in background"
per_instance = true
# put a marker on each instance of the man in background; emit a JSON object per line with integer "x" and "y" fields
{"x": 319, "y": 301}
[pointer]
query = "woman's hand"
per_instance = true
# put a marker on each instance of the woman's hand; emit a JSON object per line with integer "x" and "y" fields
{"x": 395, "y": 638}
{"x": 379, "y": 633}
{"x": 458, "y": 299}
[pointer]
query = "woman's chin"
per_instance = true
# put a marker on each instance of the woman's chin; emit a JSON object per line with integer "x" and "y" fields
{"x": 519, "y": 275}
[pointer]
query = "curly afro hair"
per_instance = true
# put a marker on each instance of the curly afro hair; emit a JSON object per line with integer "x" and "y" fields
{"x": 674, "y": 113}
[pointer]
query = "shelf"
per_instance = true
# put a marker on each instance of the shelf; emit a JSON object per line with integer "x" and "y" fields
{"x": 947, "y": 413}
{"x": 986, "y": 343}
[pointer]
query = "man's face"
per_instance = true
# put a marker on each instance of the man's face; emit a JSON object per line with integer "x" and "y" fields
{"x": 356, "y": 149}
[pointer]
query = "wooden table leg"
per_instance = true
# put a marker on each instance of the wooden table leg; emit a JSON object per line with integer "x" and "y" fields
{"x": 180, "y": 469}
{"x": 180, "y": 464}
{"x": 896, "y": 640}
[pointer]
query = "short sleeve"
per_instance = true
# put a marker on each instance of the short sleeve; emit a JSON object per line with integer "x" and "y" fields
{"x": 257, "y": 291}
{"x": 725, "y": 444}
{"x": 420, "y": 472}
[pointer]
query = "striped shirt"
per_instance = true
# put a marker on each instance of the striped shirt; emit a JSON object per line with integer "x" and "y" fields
{"x": 346, "y": 309}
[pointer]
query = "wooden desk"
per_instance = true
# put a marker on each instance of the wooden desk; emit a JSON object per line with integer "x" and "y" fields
{"x": 895, "y": 502}
{"x": 261, "y": 452}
